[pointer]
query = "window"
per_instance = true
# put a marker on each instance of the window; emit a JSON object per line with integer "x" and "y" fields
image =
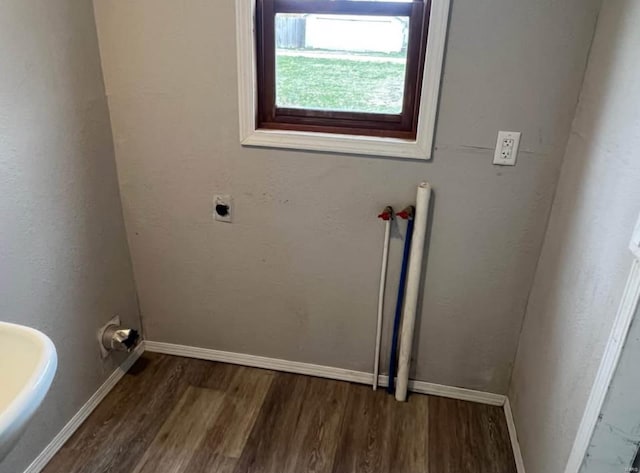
{"x": 355, "y": 76}
{"x": 340, "y": 66}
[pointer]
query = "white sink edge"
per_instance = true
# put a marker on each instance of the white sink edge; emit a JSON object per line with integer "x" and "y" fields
{"x": 20, "y": 410}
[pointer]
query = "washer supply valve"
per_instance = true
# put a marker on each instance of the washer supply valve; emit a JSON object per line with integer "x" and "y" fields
{"x": 387, "y": 214}
{"x": 407, "y": 213}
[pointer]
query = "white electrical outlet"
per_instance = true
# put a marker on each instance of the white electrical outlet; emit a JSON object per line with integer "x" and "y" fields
{"x": 222, "y": 208}
{"x": 507, "y": 148}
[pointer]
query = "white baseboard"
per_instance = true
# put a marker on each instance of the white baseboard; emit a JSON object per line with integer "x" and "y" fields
{"x": 452, "y": 392}
{"x": 513, "y": 436}
{"x": 76, "y": 421}
{"x": 320, "y": 371}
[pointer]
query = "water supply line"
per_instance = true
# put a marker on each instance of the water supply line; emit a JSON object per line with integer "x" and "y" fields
{"x": 387, "y": 216}
{"x": 413, "y": 288}
{"x": 406, "y": 214}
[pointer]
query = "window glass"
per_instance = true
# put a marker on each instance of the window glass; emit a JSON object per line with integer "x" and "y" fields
{"x": 338, "y": 62}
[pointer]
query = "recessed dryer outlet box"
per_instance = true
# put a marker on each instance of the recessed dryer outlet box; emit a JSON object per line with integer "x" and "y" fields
{"x": 222, "y": 208}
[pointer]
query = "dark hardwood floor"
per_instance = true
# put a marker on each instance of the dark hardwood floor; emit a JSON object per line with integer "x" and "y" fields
{"x": 179, "y": 415}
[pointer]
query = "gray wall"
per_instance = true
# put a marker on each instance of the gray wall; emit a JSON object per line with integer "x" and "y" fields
{"x": 585, "y": 260}
{"x": 64, "y": 261}
{"x": 296, "y": 275}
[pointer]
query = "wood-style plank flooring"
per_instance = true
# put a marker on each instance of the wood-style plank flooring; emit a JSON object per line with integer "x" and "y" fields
{"x": 179, "y": 415}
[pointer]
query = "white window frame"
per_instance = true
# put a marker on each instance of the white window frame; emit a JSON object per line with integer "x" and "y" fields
{"x": 420, "y": 148}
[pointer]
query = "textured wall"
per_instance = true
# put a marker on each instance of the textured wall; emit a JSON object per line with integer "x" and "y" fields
{"x": 585, "y": 260}
{"x": 296, "y": 275}
{"x": 64, "y": 261}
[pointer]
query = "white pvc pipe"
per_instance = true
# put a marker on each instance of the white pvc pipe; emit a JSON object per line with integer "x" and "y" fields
{"x": 383, "y": 280}
{"x": 413, "y": 288}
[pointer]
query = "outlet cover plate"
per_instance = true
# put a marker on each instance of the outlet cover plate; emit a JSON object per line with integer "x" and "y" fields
{"x": 507, "y": 148}
{"x": 223, "y": 199}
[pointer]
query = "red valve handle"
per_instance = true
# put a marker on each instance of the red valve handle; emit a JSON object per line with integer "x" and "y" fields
{"x": 406, "y": 213}
{"x": 387, "y": 214}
